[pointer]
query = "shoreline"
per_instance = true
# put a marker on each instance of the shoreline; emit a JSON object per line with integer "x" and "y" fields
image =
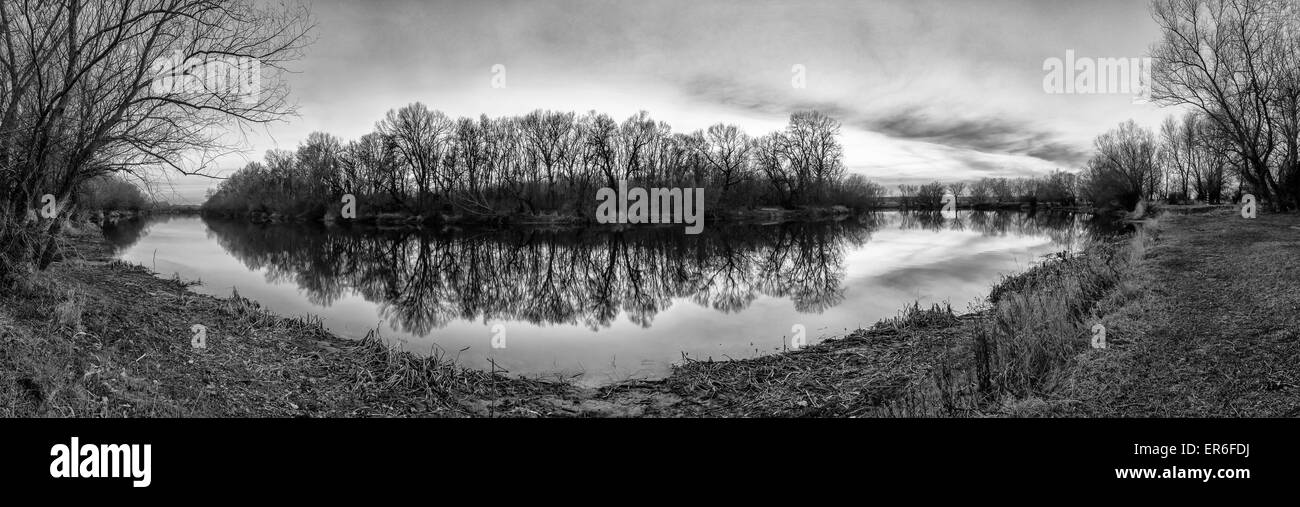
{"x": 118, "y": 344}
{"x": 763, "y": 215}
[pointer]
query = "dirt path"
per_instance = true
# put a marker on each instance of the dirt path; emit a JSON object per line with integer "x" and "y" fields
{"x": 1224, "y": 331}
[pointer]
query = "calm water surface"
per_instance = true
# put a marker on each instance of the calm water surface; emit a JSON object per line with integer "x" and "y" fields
{"x": 603, "y": 305}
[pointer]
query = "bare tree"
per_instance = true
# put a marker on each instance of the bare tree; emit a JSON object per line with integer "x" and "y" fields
{"x": 548, "y": 136}
{"x": 982, "y": 191}
{"x": 635, "y": 135}
{"x": 771, "y": 159}
{"x": 726, "y": 150}
{"x": 814, "y": 151}
{"x": 419, "y": 136}
{"x": 94, "y": 87}
{"x": 958, "y": 188}
{"x": 1176, "y": 152}
{"x": 1124, "y": 168}
{"x": 1235, "y": 61}
{"x": 602, "y": 147}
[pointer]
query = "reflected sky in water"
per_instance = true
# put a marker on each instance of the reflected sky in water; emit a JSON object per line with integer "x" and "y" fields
{"x": 603, "y": 305}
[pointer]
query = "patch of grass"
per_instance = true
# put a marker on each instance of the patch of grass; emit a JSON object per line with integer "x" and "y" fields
{"x": 67, "y": 314}
{"x": 1215, "y": 338}
{"x": 915, "y": 317}
{"x": 1033, "y": 331}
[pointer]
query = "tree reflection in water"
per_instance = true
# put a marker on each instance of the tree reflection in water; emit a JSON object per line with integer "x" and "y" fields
{"x": 423, "y": 280}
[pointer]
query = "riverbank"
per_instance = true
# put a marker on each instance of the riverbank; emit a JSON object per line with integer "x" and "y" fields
{"x": 96, "y": 337}
{"x": 764, "y": 215}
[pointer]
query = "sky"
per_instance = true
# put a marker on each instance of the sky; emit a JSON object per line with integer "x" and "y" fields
{"x": 926, "y": 90}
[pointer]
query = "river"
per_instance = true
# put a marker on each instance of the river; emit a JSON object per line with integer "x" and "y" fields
{"x": 600, "y": 305}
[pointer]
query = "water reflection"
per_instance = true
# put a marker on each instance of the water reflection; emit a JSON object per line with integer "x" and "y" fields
{"x": 421, "y": 281}
{"x": 122, "y": 233}
{"x": 586, "y": 277}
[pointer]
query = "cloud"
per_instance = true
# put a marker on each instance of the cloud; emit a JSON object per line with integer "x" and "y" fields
{"x": 991, "y": 134}
{"x": 987, "y": 133}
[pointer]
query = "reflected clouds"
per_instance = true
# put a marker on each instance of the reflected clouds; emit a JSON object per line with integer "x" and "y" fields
{"x": 421, "y": 281}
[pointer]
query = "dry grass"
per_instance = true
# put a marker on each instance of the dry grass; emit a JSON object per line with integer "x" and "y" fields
{"x": 1215, "y": 334}
{"x": 1037, "y": 323}
{"x": 915, "y": 317}
{"x": 117, "y": 343}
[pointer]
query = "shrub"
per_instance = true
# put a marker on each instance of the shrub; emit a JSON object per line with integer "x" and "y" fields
{"x": 110, "y": 193}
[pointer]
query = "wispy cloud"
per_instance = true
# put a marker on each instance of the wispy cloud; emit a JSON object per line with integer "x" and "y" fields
{"x": 913, "y": 122}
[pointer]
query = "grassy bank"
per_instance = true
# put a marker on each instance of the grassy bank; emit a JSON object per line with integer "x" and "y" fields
{"x": 1216, "y": 335}
{"x": 94, "y": 337}
{"x": 1199, "y": 311}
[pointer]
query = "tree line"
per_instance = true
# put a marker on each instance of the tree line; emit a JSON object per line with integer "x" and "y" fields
{"x": 1234, "y": 66}
{"x": 422, "y": 162}
{"x": 1058, "y": 187}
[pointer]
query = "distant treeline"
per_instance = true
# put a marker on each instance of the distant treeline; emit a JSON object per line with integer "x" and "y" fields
{"x": 420, "y": 162}
{"x": 116, "y": 193}
{"x": 1057, "y": 187}
{"x": 1189, "y": 161}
